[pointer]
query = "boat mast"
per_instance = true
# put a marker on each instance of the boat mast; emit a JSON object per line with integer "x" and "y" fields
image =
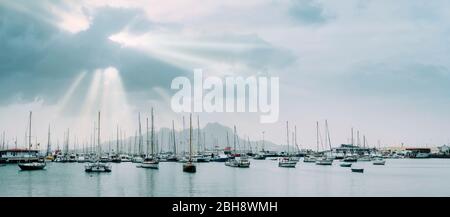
{"x": 174, "y": 141}
{"x": 146, "y": 134}
{"x": 234, "y": 139}
{"x": 287, "y": 136}
{"x": 190, "y": 137}
{"x": 352, "y": 138}
{"x": 317, "y": 135}
{"x": 117, "y": 140}
{"x": 48, "y": 142}
{"x": 152, "y": 134}
{"x": 140, "y": 135}
{"x": 29, "y": 135}
{"x": 328, "y": 134}
{"x": 198, "y": 135}
{"x": 98, "y": 135}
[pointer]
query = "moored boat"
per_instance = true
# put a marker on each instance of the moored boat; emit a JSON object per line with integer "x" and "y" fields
{"x": 32, "y": 166}
{"x": 379, "y": 161}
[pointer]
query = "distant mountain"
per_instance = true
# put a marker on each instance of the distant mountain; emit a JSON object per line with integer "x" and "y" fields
{"x": 214, "y": 135}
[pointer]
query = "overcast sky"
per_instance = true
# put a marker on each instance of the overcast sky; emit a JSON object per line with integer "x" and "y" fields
{"x": 378, "y": 66}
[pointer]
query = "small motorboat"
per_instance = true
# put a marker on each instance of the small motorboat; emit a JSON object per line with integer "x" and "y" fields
{"x": 287, "y": 163}
{"x": 324, "y": 161}
{"x": 232, "y": 163}
{"x": 260, "y": 156}
{"x": 137, "y": 159}
{"x": 116, "y": 159}
{"x": 350, "y": 159}
{"x": 220, "y": 158}
{"x": 309, "y": 159}
{"x": 365, "y": 158}
{"x": 346, "y": 164}
{"x": 189, "y": 167}
{"x": 32, "y": 166}
{"x": 97, "y": 167}
{"x": 379, "y": 162}
{"x": 125, "y": 158}
{"x": 150, "y": 163}
{"x": 358, "y": 170}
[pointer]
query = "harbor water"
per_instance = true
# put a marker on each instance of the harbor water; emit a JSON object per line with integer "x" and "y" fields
{"x": 399, "y": 177}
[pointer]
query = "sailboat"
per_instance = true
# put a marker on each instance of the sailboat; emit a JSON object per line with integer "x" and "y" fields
{"x": 173, "y": 157}
{"x": 325, "y": 160}
{"x": 287, "y": 161}
{"x": 241, "y": 161}
{"x": 200, "y": 158}
{"x": 97, "y": 165}
{"x": 150, "y": 162}
{"x": 31, "y": 165}
{"x": 137, "y": 158}
{"x": 189, "y": 166}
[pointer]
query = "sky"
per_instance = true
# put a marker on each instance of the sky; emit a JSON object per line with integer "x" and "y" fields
{"x": 380, "y": 67}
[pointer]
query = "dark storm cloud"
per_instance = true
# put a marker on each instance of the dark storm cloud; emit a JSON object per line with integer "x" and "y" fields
{"x": 38, "y": 59}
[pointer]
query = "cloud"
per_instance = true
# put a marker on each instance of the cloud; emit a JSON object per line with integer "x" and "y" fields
{"x": 309, "y": 12}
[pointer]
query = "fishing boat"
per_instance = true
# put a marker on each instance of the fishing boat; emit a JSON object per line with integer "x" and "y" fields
{"x": 287, "y": 162}
{"x": 31, "y": 165}
{"x": 379, "y": 161}
{"x": 189, "y": 166}
{"x": 346, "y": 164}
{"x": 97, "y": 165}
{"x": 151, "y": 162}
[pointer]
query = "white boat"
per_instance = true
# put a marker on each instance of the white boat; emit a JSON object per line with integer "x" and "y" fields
{"x": 242, "y": 162}
{"x": 346, "y": 164}
{"x": 324, "y": 161}
{"x": 309, "y": 159}
{"x": 137, "y": 159}
{"x": 125, "y": 158}
{"x": 150, "y": 163}
{"x": 364, "y": 158}
{"x": 379, "y": 161}
{"x": 287, "y": 163}
{"x": 81, "y": 159}
{"x": 97, "y": 167}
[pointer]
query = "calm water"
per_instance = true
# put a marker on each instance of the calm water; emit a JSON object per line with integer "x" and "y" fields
{"x": 399, "y": 177}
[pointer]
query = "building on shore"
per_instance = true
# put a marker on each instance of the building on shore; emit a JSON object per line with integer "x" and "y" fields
{"x": 18, "y": 155}
{"x": 349, "y": 149}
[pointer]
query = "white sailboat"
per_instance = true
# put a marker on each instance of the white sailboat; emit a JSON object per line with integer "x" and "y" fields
{"x": 325, "y": 160}
{"x": 97, "y": 165}
{"x": 287, "y": 162}
{"x": 151, "y": 162}
{"x": 31, "y": 165}
{"x": 241, "y": 161}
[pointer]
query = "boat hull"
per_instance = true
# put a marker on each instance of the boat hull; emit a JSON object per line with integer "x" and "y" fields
{"x": 31, "y": 166}
{"x": 150, "y": 165}
{"x": 189, "y": 168}
{"x": 357, "y": 170}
